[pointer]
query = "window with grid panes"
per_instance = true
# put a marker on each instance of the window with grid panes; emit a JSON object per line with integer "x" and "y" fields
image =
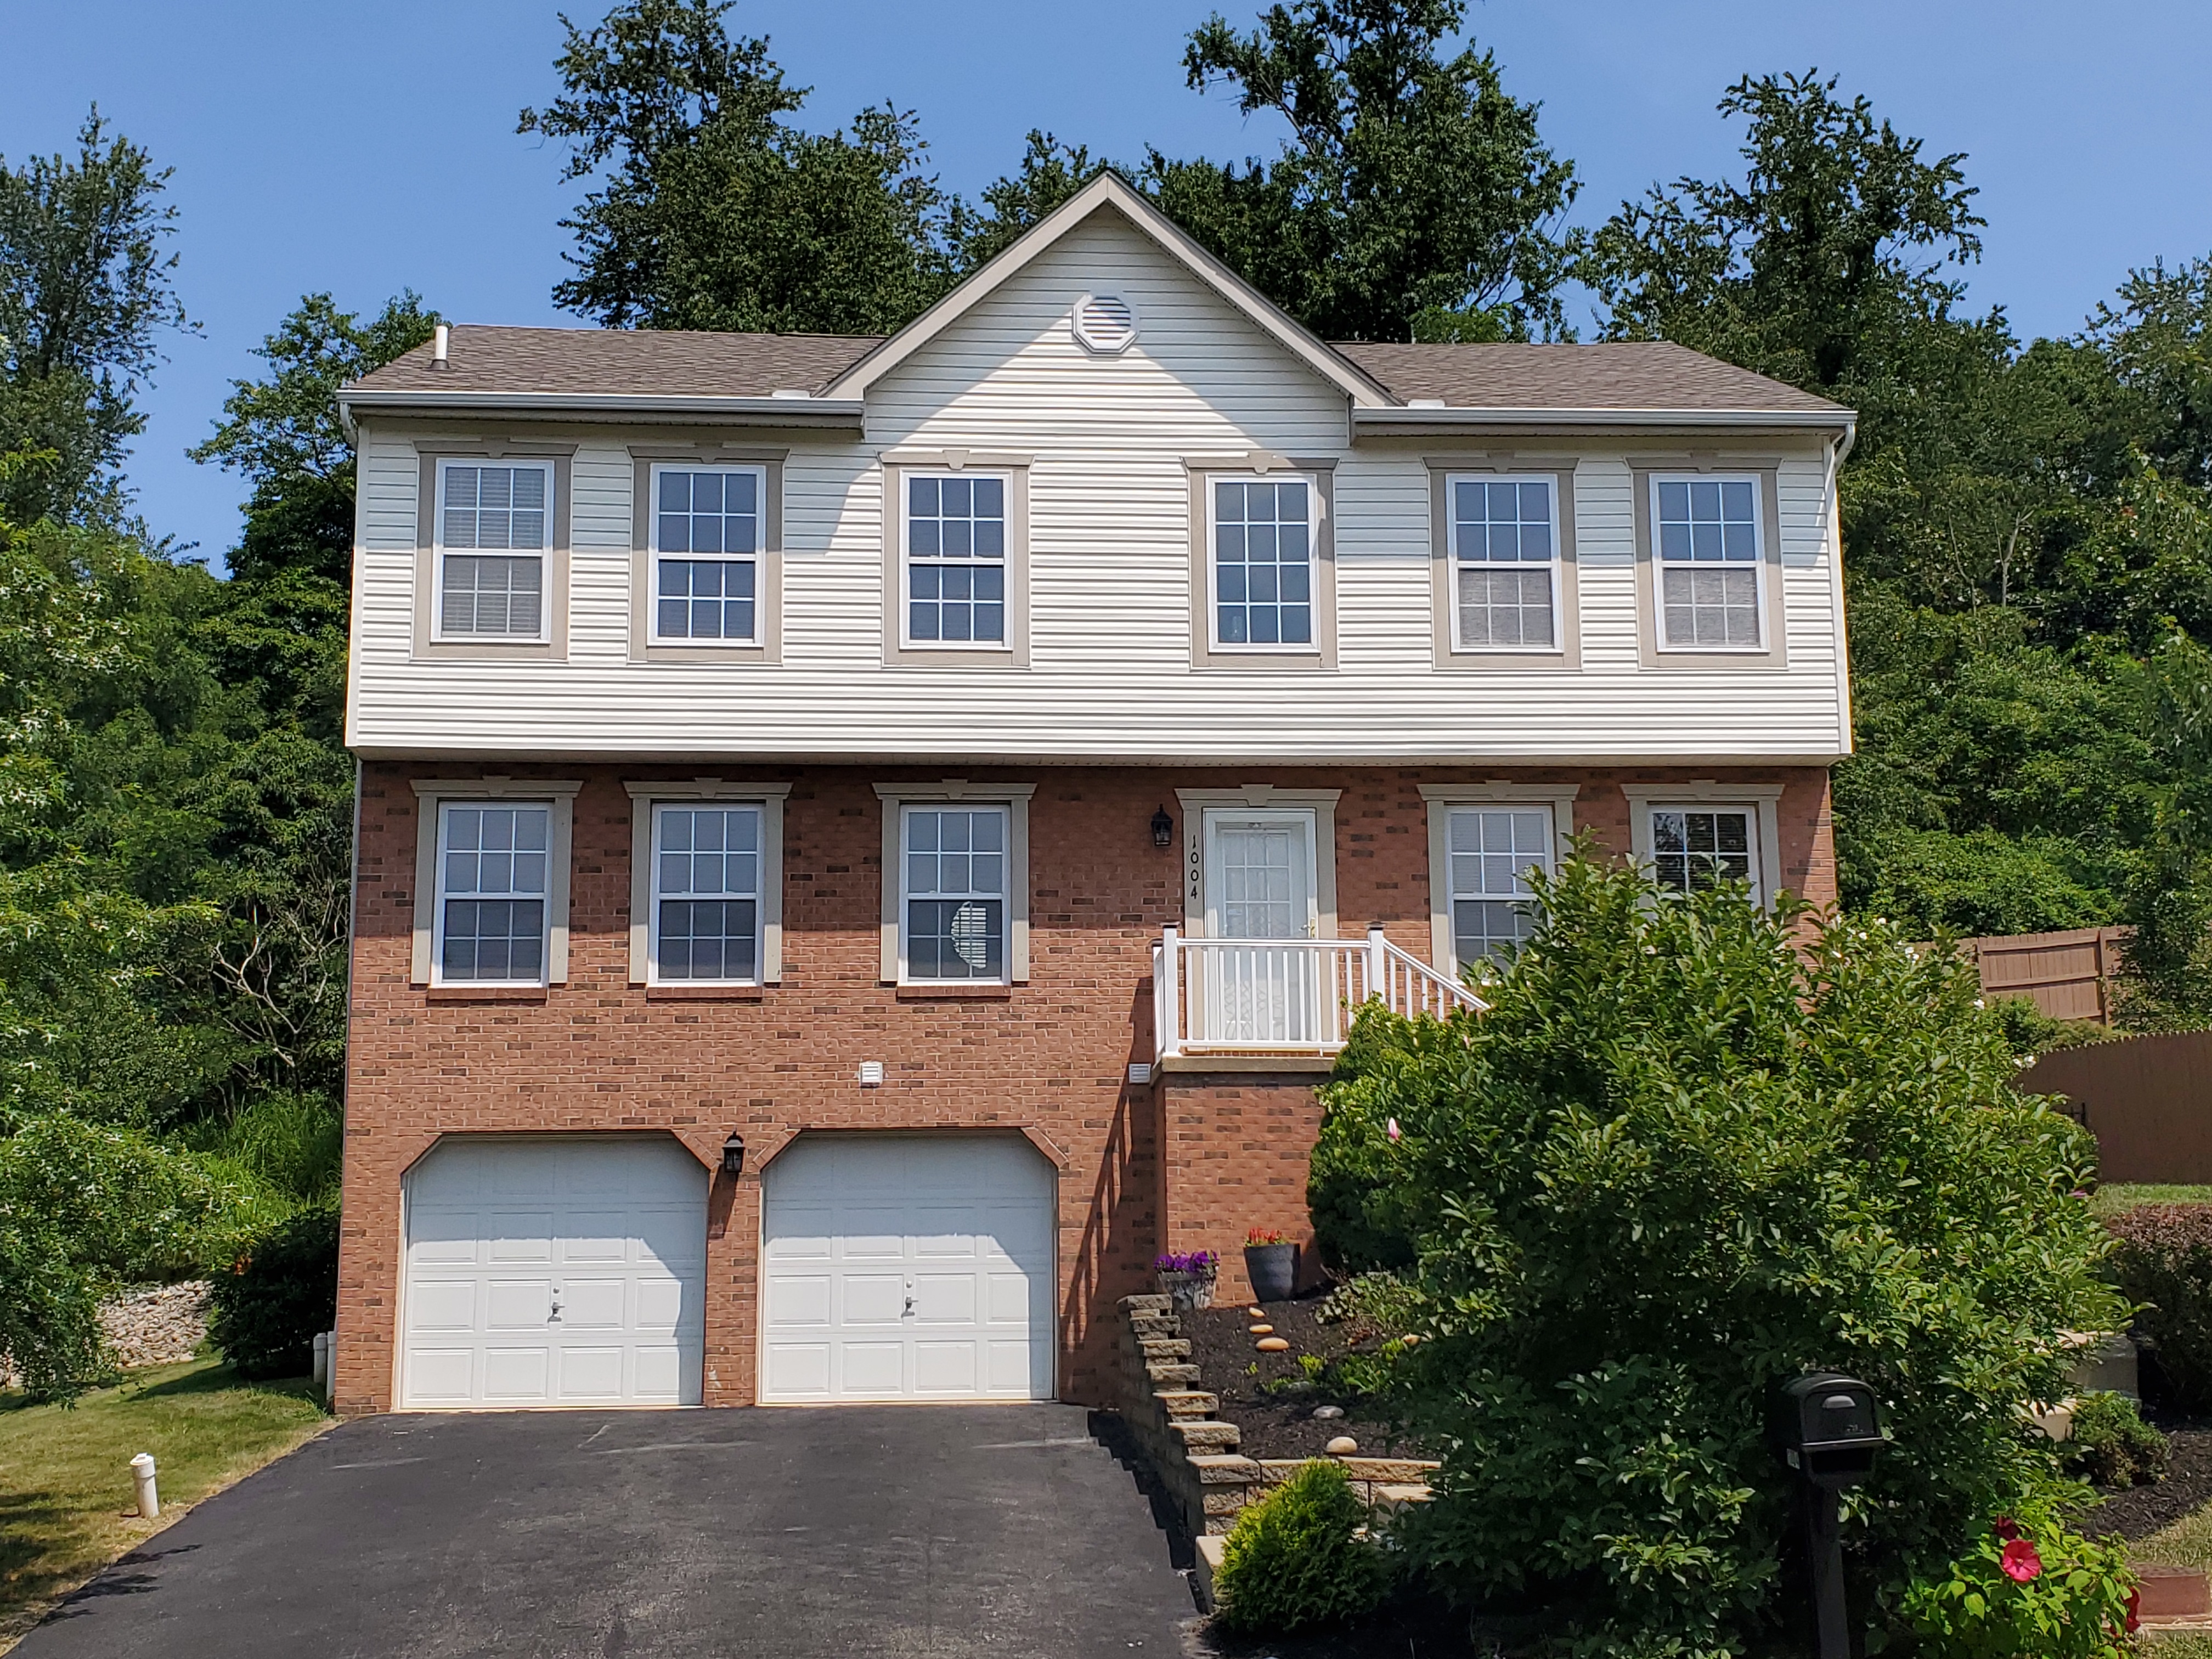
{"x": 955, "y": 870}
{"x": 707, "y": 541}
{"x": 1708, "y": 562}
{"x": 1263, "y": 564}
{"x": 706, "y": 893}
{"x": 492, "y": 872}
{"x": 956, "y": 559}
{"x": 1491, "y": 849}
{"x": 1504, "y": 561}
{"x": 493, "y": 524}
{"x": 1695, "y": 848}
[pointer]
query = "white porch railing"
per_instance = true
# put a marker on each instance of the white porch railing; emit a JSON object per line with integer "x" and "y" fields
{"x": 1285, "y": 996}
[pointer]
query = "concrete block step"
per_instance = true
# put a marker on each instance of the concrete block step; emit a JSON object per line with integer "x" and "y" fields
{"x": 1148, "y": 1304}
{"x": 1173, "y": 1372}
{"x": 1205, "y": 1434}
{"x": 1165, "y": 1347}
{"x": 1187, "y": 1402}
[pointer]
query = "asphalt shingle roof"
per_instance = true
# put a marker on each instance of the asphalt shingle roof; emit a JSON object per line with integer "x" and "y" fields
{"x": 1617, "y": 375}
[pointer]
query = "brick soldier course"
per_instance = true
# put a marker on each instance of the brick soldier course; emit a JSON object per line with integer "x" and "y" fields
{"x": 1191, "y": 1161}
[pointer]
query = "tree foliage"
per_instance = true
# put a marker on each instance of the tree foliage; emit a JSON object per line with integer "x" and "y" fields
{"x": 1414, "y": 193}
{"x": 1680, "y": 1160}
{"x": 85, "y": 293}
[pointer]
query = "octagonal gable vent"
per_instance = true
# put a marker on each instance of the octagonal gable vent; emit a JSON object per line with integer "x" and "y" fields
{"x": 1104, "y": 323}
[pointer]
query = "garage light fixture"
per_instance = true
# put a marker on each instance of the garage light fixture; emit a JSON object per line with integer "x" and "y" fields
{"x": 1163, "y": 829}
{"x": 733, "y": 1155}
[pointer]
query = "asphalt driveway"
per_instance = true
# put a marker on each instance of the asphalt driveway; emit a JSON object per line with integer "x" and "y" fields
{"x": 922, "y": 1530}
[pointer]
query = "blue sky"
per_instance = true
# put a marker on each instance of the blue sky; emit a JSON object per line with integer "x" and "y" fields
{"x": 363, "y": 149}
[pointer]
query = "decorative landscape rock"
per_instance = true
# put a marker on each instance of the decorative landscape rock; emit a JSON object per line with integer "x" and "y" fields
{"x": 1343, "y": 1446}
{"x": 1327, "y": 1414}
{"x": 1262, "y": 1330}
{"x": 1272, "y": 1345}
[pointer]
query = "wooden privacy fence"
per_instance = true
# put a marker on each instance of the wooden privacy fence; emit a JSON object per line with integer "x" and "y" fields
{"x": 2146, "y": 1099}
{"x": 2068, "y": 975}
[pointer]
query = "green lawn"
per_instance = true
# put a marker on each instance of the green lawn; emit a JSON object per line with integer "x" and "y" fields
{"x": 66, "y": 1504}
{"x": 2111, "y": 1200}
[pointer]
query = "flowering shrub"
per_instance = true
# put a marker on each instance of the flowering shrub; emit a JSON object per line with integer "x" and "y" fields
{"x": 2164, "y": 1261}
{"x": 2027, "y": 1589}
{"x": 1689, "y": 1153}
{"x": 1195, "y": 1261}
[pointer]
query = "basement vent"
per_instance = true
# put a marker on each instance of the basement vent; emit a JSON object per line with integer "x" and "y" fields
{"x": 1104, "y": 323}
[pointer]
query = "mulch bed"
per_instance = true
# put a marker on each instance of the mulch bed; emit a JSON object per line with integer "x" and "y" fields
{"x": 2136, "y": 1512}
{"x": 1283, "y": 1425}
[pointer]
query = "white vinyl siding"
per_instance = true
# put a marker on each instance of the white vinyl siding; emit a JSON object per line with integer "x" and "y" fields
{"x": 1504, "y": 563}
{"x": 493, "y": 530}
{"x": 707, "y": 541}
{"x": 705, "y": 895}
{"x": 1709, "y": 562}
{"x": 1110, "y": 445}
{"x": 494, "y": 882}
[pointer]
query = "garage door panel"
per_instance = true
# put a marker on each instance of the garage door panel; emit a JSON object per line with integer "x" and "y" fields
{"x": 442, "y": 1305}
{"x": 874, "y": 1371}
{"x": 938, "y": 1269}
{"x": 946, "y": 1367}
{"x": 944, "y": 1299}
{"x": 798, "y": 1371}
{"x": 616, "y": 1231}
{"x": 795, "y": 1300}
{"x": 518, "y": 1304}
{"x": 874, "y": 1298}
{"x": 517, "y": 1376}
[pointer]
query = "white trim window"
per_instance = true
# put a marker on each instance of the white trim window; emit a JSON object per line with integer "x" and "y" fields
{"x": 953, "y": 866}
{"x": 1489, "y": 851}
{"x": 707, "y": 540}
{"x": 495, "y": 528}
{"x": 1711, "y": 590}
{"x": 706, "y": 915}
{"x": 1262, "y": 565}
{"x": 1505, "y": 563}
{"x": 1695, "y": 848}
{"x": 955, "y": 558}
{"x": 494, "y": 879}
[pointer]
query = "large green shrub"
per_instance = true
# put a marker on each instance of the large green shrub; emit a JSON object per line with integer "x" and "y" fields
{"x": 50, "y": 1329}
{"x": 1294, "y": 1560}
{"x": 1688, "y": 1154}
{"x": 269, "y": 1305}
{"x": 2163, "y": 1260}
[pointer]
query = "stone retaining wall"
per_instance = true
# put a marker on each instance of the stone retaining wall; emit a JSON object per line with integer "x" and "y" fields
{"x": 1194, "y": 1452}
{"x": 159, "y": 1325}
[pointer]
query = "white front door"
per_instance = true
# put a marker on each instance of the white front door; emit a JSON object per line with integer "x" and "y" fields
{"x": 554, "y": 1272}
{"x": 1259, "y": 885}
{"x": 912, "y": 1266}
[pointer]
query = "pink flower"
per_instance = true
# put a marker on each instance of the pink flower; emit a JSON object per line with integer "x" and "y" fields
{"x": 1393, "y": 1131}
{"x": 2021, "y": 1562}
{"x": 2005, "y": 1526}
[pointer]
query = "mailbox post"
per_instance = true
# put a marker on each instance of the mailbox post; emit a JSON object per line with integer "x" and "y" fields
{"x": 1827, "y": 1430}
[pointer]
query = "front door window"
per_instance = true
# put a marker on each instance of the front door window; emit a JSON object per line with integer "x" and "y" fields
{"x": 1260, "y": 889}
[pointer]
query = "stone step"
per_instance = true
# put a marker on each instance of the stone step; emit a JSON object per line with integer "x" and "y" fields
{"x": 1205, "y": 1434}
{"x": 1187, "y": 1402}
{"x": 1149, "y": 1303}
{"x": 1153, "y": 1327}
{"x": 1165, "y": 1347}
{"x": 1224, "y": 1469}
{"x": 1171, "y": 1372}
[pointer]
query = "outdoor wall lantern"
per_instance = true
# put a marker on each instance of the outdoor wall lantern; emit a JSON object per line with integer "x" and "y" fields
{"x": 1163, "y": 828}
{"x": 733, "y": 1155}
{"x": 1826, "y": 1428}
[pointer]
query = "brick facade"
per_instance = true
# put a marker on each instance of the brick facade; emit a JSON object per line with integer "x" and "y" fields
{"x": 1192, "y": 1161}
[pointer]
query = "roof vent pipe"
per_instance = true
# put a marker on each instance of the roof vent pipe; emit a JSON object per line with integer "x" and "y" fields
{"x": 440, "y": 341}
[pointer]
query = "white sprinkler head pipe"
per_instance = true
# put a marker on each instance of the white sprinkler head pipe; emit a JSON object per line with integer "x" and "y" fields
{"x": 142, "y": 1472}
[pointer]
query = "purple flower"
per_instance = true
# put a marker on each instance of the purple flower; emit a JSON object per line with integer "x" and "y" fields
{"x": 1193, "y": 1261}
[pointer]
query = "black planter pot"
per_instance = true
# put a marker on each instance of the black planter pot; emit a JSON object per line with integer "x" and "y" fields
{"x": 1273, "y": 1271}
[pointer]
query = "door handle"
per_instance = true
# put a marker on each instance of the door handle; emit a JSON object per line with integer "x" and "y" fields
{"x": 553, "y": 1317}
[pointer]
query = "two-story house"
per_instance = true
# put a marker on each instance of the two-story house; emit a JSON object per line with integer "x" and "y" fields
{"x": 863, "y": 842}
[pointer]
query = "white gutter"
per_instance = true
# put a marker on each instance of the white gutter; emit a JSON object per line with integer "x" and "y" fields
{"x": 1447, "y": 418}
{"x": 605, "y": 405}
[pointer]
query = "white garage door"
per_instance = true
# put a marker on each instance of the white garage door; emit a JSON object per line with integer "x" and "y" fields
{"x": 909, "y": 1267}
{"x": 555, "y": 1273}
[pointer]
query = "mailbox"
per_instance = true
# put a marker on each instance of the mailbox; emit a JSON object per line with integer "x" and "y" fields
{"x": 1827, "y": 1429}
